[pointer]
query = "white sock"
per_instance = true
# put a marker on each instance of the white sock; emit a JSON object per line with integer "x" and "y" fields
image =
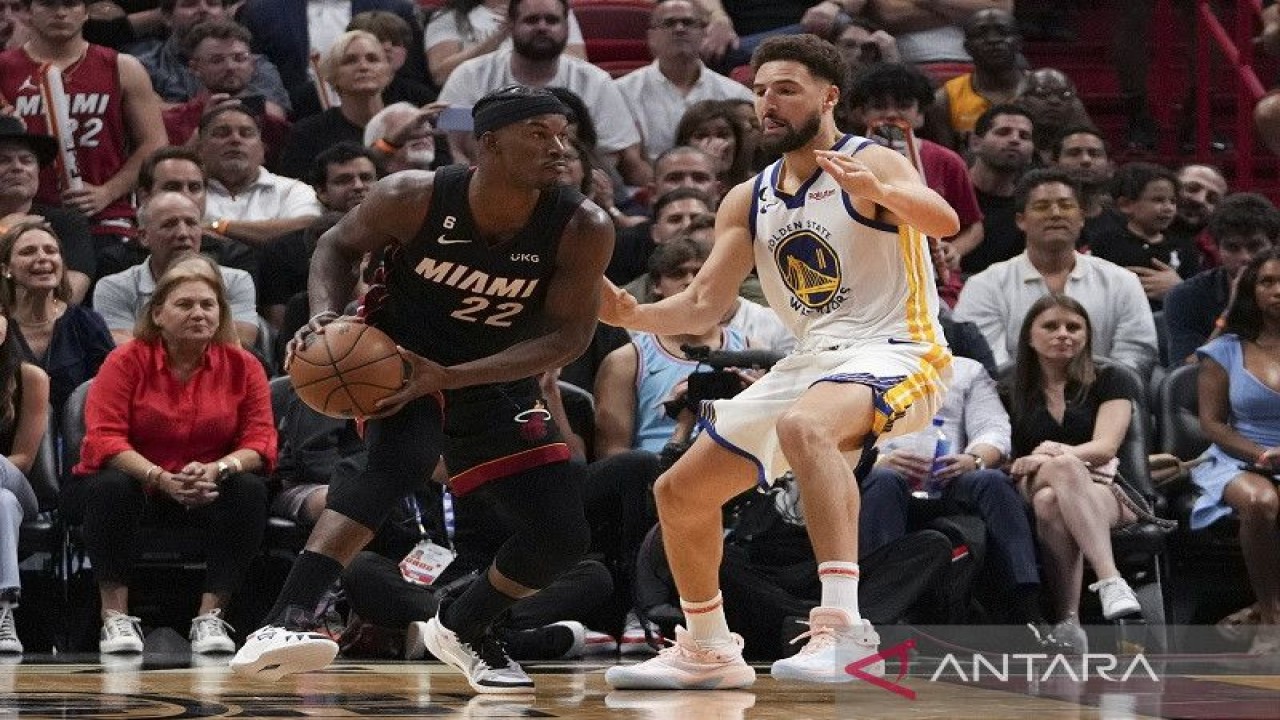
{"x": 706, "y": 621}
{"x": 840, "y": 586}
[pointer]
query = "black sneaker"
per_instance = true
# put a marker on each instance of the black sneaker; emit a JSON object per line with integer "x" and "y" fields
{"x": 549, "y": 642}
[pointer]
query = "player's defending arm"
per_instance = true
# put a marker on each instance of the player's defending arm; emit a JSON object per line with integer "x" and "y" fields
{"x": 568, "y": 315}
{"x": 886, "y": 178}
{"x": 713, "y": 290}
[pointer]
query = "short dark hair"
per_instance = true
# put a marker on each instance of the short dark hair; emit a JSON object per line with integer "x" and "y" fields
{"x": 1244, "y": 317}
{"x": 147, "y": 173}
{"x": 514, "y": 5}
{"x": 342, "y": 152}
{"x": 984, "y": 122}
{"x": 821, "y": 57}
{"x": 207, "y": 119}
{"x": 670, "y": 255}
{"x": 1131, "y": 179}
{"x": 216, "y": 29}
{"x": 1042, "y": 176}
{"x": 898, "y": 81}
{"x": 1056, "y": 148}
{"x": 678, "y": 194}
{"x": 1244, "y": 214}
{"x": 167, "y": 6}
{"x": 385, "y": 25}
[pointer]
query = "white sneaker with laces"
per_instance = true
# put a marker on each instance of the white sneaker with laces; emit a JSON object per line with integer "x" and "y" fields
{"x": 639, "y": 638}
{"x": 9, "y": 642}
{"x": 120, "y": 633}
{"x": 835, "y": 641}
{"x": 209, "y": 634}
{"x": 272, "y": 652}
{"x": 685, "y": 665}
{"x": 484, "y": 662}
{"x": 1117, "y": 598}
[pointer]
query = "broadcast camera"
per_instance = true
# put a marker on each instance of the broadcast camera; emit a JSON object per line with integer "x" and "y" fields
{"x": 718, "y": 382}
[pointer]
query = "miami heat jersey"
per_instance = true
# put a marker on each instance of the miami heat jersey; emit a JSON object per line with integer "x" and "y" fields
{"x": 450, "y": 295}
{"x": 97, "y": 117}
{"x": 832, "y": 274}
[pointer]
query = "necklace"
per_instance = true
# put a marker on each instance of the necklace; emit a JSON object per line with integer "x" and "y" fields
{"x": 57, "y": 312}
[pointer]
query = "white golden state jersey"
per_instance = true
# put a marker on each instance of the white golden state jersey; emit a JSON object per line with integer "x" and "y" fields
{"x": 831, "y": 273}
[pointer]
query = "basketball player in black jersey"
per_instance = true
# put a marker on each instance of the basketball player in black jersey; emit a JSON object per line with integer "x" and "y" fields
{"x": 492, "y": 275}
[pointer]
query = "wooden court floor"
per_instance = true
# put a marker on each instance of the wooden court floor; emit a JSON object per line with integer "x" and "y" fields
{"x": 176, "y": 686}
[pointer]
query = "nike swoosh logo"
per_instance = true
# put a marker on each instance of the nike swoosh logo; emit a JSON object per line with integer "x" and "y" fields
{"x": 446, "y": 241}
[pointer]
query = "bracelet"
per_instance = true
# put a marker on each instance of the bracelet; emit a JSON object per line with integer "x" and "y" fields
{"x": 977, "y": 460}
{"x": 384, "y": 145}
{"x": 146, "y": 479}
{"x": 236, "y": 462}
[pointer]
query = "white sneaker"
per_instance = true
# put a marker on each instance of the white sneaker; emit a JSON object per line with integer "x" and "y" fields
{"x": 1117, "y": 598}
{"x": 835, "y": 641}
{"x": 685, "y": 665}
{"x": 483, "y": 662}
{"x": 415, "y": 648}
{"x": 595, "y": 642}
{"x": 120, "y": 633}
{"x": 272, "y": 652}
{"x": 639, "y": 638}
{"x": 209, "y": 634}
{"x": 9, "y": 642}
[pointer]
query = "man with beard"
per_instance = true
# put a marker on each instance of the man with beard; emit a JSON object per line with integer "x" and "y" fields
{"x": 1200, "y": 189}
{"x": 992, "y": 39}
{"x": 836, "y": 230}
{"x": 1051, "y": 98}
{"x": 536, "y": 59}
{"x": 1002, "y": 150}
{"x": 1082, "y": 152}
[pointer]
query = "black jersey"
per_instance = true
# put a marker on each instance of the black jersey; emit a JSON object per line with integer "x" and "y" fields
{"x": 452, "y": 297}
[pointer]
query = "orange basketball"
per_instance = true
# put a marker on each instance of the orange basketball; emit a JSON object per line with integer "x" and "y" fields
{"x": 343, "y": 371}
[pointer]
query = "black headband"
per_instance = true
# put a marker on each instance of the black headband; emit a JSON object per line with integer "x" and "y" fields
{"x": 499, "y": 110}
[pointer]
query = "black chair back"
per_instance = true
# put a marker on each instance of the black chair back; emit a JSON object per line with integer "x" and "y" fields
{"x": 43, "y": 475}
{"x": 73, "y": 429}
{"x": 1179, "y": 417}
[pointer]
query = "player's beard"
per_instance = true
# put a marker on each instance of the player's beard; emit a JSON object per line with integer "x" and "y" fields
{"x": 793, "y": 138}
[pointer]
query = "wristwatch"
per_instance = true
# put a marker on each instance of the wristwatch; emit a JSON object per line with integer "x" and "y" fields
{"x": 223, "y": 470}
{"x": 978, "y": 461}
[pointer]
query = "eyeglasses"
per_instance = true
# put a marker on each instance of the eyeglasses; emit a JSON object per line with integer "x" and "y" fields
{"x": 1047, "y": 94}
{"x": 675, "y": 22}
{"x": 1045, "y": 206}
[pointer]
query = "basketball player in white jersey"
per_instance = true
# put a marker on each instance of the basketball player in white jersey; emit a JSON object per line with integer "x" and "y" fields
{"x": 834, "y": 229}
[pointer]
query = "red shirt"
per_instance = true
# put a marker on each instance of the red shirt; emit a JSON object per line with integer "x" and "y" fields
{"x": 136, "y": 403}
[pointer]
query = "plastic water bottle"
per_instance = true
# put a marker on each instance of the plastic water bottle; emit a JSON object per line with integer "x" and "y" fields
{"x": 931, "y": 487}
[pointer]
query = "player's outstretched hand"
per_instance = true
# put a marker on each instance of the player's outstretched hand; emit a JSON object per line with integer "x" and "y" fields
{"x": 852, "y": 174}
{"x": 314, "y": 326}
{"x": 617, "y": 306}
{"x": 425, "y": 377}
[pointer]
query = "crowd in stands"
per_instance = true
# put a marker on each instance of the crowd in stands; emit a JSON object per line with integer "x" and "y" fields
{"x": 157, "y": 242}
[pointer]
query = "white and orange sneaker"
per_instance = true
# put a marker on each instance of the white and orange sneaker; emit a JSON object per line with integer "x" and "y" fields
{"x": 836, "y": 640}
{"x": 686, "y": 666}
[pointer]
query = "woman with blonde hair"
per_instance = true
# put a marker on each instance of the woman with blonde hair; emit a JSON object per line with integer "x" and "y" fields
{"x": 180, "y": 432}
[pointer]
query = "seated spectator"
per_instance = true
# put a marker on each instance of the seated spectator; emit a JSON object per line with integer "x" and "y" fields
{"x": 672, "y": 214}
{"x": 991, "y": 37}
{"x": 24, "y": 395}
{"x": 315, "y": 451}
{"x": 179, "y": 429}
{"x": 1146, "y": 195}
{"x": 863, "y": 43}
{"x": 1051, "y": 98}
{"x": 1002, "y": 152}
{"x": 686, "y": 166}
{"x": 341, "y": 175}
{"x": 972, "y": 483}
{"x": 180, "y": 170}
{"x": 465, "y": 29}
{"x": 1240, "y": 415}
{"x": 407, "y": 133}
{"x": 738, "y": 26}
{"x": 172, "y": 65}
{"x": 170, "y": 225}
{"x": 1266, "y": 114}
{"x": 396, "y": 36}
{"x": 582, "y": 128}
{"x": 222, "y": 72}
{"x": 713, "y": 127}
{"x": 537, "y": 59}
{"x": 1200, "y": 189}
{"x": 13, "y": 24}
{"x": 1069, "y": 418}
{"x": 22, "y": 155}
{"x": 67, "y": 341}
{"x": 246, "y": 202}
{"x": 357, "y": 69}
{"x": 661, "y": 92}
{"x": 1243, "y": 226}
{"x": 1082, "y": 152}
{"x": 929, "y": 32}
{"x": 1047, "y": 207}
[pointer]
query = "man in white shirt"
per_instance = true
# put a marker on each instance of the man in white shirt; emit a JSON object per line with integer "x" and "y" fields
{"x": 168, "y": 225}
{"x": 246, "y": 202}
{"x": 660, "y": 92}
{"x": 537, "y": 59}
{"x": 1048, "y": 211}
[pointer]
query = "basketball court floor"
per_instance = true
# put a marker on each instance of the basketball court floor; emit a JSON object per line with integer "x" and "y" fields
{"x": 158, "y": 685}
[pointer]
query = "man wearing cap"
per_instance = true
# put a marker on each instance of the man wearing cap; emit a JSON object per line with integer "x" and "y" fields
{"x": 21, "y": 157}
{"x": 491, "y": 276}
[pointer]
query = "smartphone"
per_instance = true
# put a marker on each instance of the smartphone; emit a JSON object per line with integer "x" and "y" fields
{"x": 256, "y": 104}
{"x": 455, "y": 118}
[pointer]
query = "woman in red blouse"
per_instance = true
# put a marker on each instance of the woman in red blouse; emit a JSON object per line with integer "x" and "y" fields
{"x": 179, "y": 430}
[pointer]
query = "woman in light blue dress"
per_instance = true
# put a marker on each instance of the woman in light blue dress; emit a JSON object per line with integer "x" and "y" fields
{"x": 1240, "y": 415}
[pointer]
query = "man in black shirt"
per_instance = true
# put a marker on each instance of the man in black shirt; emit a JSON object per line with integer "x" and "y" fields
{"x": 1002, "y": 149}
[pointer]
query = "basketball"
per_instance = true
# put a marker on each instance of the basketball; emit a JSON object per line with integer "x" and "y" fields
{"x": 345, "y": 370}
